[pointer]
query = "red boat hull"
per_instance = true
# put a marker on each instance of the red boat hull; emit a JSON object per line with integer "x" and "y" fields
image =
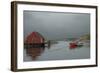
{"x": 72, "y": 45}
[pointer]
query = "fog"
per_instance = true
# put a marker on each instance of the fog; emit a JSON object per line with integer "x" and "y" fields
{"x": 54, "y": 25}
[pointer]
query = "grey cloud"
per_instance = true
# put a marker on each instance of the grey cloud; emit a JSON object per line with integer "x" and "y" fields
{"x": 54, "y": 25}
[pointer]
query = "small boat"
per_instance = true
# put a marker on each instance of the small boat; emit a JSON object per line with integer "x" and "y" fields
{"x": 73, "y": 45}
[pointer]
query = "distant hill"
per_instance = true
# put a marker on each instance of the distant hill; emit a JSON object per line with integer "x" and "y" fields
{"x": 85, "y": 37}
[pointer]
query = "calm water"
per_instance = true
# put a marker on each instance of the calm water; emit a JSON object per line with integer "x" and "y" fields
{"x": 59, "y": 51}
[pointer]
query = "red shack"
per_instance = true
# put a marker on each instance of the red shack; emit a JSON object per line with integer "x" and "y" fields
{"x": 34, "y": 38}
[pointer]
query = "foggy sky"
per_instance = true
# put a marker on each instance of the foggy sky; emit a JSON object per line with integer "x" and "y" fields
{"x": 54, "y": 25}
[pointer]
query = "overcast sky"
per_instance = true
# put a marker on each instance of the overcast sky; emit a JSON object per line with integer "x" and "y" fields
{"x": 54, "y": 25}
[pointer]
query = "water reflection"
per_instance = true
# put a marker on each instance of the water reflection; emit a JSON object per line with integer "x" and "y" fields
{"x": 36, "y": 49}
{"x": 34, "y": 52}
{"x": 59, "y": 50}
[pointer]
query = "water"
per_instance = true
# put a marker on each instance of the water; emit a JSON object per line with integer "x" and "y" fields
{"x": 59, "y": 51}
